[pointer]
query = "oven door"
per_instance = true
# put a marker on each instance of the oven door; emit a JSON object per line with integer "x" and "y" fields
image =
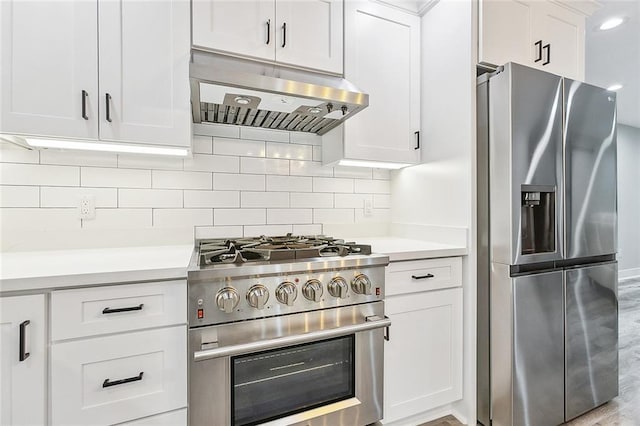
{"x": 315, "y": 368}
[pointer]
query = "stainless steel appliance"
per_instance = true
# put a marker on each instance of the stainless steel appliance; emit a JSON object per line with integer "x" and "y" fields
{"x": 547, "y": 270}
{"x": 286, "y": 331}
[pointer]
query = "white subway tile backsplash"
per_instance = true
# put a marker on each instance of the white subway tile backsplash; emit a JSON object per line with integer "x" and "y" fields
{"x": 218, "y": 231}
{"x": 239, "y": 182}
{"x": 352, "y": 201}
{"x": 289, "y": 151}
{"x": 211, "y": 199}
{"x": 289, "y": 183}
{"x": 239, "y": 217}
{"x": 119, "y": 219}
{"x": 315, "y": 229}
{"x": 352, "y": 172}
{"x": 181, "y": 180}
{"x": 333, "y": 216}
{"x": 377, "y": 216}
{"x": 264, "y": 166}
{"x": 310, "y": 168}
{"x": 19, "y": 196}
{"x": 239, "y": 147}
{"x": 115, "y": 178}
{"x": 159, "y": 198}
{"x": 78, "y": 158}
{"x": 305, "y": 138}
{"x": 264, "y": 199}
{"x": 182, "y": 218}
{"x": 381, "y": 201}
{"x": 293, "y": 216}
{"x": 58, "y": 196}
{"x": 384, "y": 174}
{"x": 219, "y": 130}
{"x": 34, "y": 174}
{"x": 37, "y": 219}
{"x": 133, "y": 161}
{"x": 256, "y": 231}
{"x": 372, "y": 186}
{"x": 311, "y": 199}
{"x": 321, "y": 184}
{"x": 202, "y": 145}
{"x": 317, "y": 153}
{"x": 264, "y": 134}
{"x": 212, "y": 163}
{"x": 10, "y": 153}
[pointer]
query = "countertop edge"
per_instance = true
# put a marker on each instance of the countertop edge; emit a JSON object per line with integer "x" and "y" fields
{"x": 427, "y": 254}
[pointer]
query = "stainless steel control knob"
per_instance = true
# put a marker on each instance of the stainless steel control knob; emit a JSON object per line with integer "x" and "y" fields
{"x": 257, "y": 296}
{"x": 286, "y": 293}
{"x": 361, "y": 284}
{"x": 338, "y": 287}
{"x": 227, "y": 299}
{"x": 312, "y": 290}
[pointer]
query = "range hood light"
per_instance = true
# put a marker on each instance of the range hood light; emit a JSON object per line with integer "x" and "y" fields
{"x": 242, "y": 100}
{"x": 372, "y": 164}
{"x": 611, "y": 23}
{"x": 105, "y": 147}
{"x": 314, "y": 110}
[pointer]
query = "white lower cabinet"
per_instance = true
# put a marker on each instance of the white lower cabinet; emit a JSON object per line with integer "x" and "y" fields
{"x": 23, "y": 360}
{"x": 114, "y": 379}
{"x": 423, "y": 359}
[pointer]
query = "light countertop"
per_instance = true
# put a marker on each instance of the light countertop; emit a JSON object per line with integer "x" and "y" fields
{"x": 407, "y": 249}
{"x": 44, "y": 270}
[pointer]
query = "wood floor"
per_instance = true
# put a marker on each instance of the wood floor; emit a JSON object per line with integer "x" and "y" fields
{"x": 625, "y": 409}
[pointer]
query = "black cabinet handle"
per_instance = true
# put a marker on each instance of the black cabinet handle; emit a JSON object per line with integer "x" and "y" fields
{"x": 387, "y": 334}
{"x": 24, "y": 351}
{"x": 547, "y": 47}
{"x": 108, "y": 383}
{"x": 108, "y": 105}
{"x": 268, "y": 31}
{"x": 84, "y": 105}
{"x": 539, "y": 45}
{"x": 417, "y": 134}
{"x": 422, "y": 277}
{"x": 129, "y": 309}
{"x": 284, "y": 34}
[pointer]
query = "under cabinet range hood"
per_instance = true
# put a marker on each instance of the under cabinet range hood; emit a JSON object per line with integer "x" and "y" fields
{"x": 239, "y": 92}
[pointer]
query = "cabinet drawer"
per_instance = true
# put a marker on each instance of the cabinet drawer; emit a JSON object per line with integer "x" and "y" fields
{"x": 111, "y": 309}
{"x": 423, "y": 275}
{"x": 174, "y": 418}
{"x": 113, "y": 379}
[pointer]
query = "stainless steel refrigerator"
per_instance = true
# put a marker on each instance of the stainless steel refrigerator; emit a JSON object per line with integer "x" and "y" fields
{"x": 547, "y": 270}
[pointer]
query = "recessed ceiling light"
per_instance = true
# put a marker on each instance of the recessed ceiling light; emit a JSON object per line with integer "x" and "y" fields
{"x": 614, "y": 87}
{"x": 611, "y": 23}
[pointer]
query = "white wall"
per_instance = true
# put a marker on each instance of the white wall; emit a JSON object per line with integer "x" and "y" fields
{"x": 265, "y": 183}
{"x": 628, "y": 201}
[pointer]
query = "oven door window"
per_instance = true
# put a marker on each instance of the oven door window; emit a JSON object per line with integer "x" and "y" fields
{"x": 274, "y": 384}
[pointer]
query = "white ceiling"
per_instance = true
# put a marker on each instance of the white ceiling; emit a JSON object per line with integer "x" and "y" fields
{"x": 613, "y": 56}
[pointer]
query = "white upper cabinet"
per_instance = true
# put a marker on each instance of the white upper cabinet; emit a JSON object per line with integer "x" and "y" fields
{"x": 541, "y": 34}
{"x": 23, "y": 360}
{"x": 382, "y": 58}
{"x": 49, "y": 68}
{"x": 305, "y": 34}
{"x": 52, "y": 84}
{"x": 144, "y": 71}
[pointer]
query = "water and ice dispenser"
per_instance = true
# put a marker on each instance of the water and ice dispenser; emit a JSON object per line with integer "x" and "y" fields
{"x": 538, "y": 219}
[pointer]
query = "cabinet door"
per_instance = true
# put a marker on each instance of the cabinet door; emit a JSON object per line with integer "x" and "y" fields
{"x": 144, "y": 71}
{"x": 382, "y": 58}
{"x": 49, "y": 57}
{"x": 22, "y": 383}
{"x": 423, "y": 359}
{"x": 309, "y": 34}
{"x": 242, "y": 27}
{"x": 505, "y": 32}
{"x": 563, "y": 32}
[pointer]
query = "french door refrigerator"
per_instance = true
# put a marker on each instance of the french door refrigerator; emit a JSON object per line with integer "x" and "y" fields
{"x": 547, "y": 270}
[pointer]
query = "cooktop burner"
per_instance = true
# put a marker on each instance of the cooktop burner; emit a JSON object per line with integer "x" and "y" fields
{"x": 279, "y": 248}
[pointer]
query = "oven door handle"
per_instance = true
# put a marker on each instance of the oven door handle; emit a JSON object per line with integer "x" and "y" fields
{"x": 297, "y": 339}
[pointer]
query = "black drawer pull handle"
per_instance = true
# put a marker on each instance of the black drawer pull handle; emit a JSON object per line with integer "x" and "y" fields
{"x": 107, "y": 383}
{"x": 24, "y": 351}
{"x": 129, "y": 309}
{"x": 422, "y": 277}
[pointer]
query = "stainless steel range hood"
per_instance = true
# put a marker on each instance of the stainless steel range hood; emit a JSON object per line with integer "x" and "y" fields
{"x": 245, "y": 93}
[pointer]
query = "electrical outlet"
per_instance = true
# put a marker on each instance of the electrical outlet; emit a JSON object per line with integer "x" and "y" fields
{"x": 87, "y": 207}
{"x": 368, "y": 207}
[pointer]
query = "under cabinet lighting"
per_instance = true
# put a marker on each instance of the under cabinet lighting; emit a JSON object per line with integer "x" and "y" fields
{"x": 107, "y": 147}
{"x": 614, "y": 87}
{"x": 611, "y": 23}
{"x": 372, "y": 164}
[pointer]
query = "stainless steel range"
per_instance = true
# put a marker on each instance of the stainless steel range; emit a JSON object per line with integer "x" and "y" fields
{"x": 286, "y": 331}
